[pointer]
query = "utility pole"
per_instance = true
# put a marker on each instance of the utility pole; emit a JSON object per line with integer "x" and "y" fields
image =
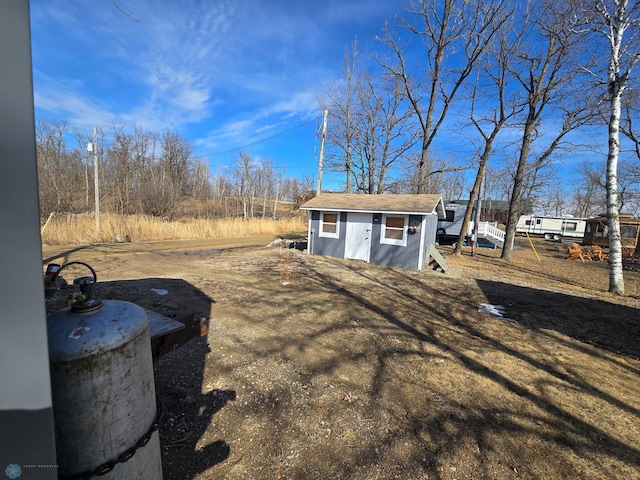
{"x": 321, "y": 161}
{"x": 96, "y": 182}
{"x": 275, "y": 203}
{"x": 86, "y": 182}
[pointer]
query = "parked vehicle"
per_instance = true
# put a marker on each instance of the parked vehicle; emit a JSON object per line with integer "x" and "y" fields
{"x": 449, "y": 228}
{"x": 552, "y": 228}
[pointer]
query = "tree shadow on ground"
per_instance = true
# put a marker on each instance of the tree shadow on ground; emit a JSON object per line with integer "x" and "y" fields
{"x": 595, "y": 322}
{"x": 432, "y": 319}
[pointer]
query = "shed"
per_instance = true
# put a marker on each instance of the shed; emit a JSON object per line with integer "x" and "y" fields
{"x": 394, "y": 230}
{"x": 597, "y": 232}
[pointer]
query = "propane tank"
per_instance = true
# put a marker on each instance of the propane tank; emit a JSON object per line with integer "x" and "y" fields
{"x": 103, "y": 391}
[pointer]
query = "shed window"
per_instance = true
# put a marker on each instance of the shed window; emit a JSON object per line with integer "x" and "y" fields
{"x": 394, "y": 230}
{"x": 628, "y": 231}
{"x": 329, "y": 225}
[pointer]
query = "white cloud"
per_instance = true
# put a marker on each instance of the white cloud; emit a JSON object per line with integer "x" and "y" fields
{"x": 235, "y": 70}
{"x": 299, "y": 103}
{"x": 77, "y": 109}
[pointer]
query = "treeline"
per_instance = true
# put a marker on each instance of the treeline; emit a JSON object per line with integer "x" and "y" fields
{"x": 152, "y": 173}
{"x": 460, "y": 92}
{"x": 479, "y": 85}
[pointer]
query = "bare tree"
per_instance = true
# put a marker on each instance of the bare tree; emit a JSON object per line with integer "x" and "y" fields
{"x": 443, "y": 177}
{"x": 590, "y": 196}
{"x": 82, "y": 140}
{"x": 266, "y": 183}
{"x": 592, "y": 187}
{"x": 545, "y": 74}
{"x": 60, "y": 168}
{"x": 199, "y": 186}
{"x": 116, "y": 174}
{"x": 553, "y": 201}
{"x": 494, "y": 91}
{"x": 245, "y": 179}
{"x": 630, "y": 170}
{"x": 341, "y": 101}
{"x": 455, "y": 34}
{"x": 175, "y": 159}
{"x": 386, "y": 134}
{"x": 498, "y": 183}
{"x": 154, "y": 173}
{"x": 143, "y": 172}
{"x": 618, "y": 21}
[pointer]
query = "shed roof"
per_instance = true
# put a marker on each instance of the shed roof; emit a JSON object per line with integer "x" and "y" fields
{"x": 625, "y": 219}
{"x": 488, "y": 203}
{"x": 390, "y": 203}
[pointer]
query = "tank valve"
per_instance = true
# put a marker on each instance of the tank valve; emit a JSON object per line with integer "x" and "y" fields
{"x": 84, "y": 301}
{"x": 52, "y": 281}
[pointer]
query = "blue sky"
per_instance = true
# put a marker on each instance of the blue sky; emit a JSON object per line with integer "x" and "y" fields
{"x": 225, "y": 74}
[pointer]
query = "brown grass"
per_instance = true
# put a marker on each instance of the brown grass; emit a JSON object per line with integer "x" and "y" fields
{"x": 70, "y": 229}
{"x": 356, "y": 371}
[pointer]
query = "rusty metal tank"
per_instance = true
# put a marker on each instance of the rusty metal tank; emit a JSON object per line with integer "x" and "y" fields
{"x": 103, "y": 390}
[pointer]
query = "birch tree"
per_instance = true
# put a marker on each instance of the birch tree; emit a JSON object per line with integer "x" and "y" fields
{"x": 618, "y": 21}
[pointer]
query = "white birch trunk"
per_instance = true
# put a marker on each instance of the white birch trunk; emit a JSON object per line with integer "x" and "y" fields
{"x": 616, "y": 85}
{"x": 616, "y": 278}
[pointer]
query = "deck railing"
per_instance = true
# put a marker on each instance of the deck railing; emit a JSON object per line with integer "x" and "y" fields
{"x": 490, "y": 231}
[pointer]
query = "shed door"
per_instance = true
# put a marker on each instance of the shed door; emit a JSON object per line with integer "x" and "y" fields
{"x": 358, "y": 238}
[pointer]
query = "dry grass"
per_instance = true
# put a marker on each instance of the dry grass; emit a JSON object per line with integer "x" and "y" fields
{"x": 362, "y": 372}
{"x": 72, "y": 229}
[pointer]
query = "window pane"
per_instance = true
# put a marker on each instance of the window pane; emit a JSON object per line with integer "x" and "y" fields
{"x": 329, "y": 227}
{"x": 330, "y": 217}
{"x": 393, "y": 234}
{"x": 395, "y": 222}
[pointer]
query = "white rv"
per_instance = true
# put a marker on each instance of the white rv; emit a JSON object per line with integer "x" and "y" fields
{"x": 551, "y": 227}
{"x": 449, "y": 228}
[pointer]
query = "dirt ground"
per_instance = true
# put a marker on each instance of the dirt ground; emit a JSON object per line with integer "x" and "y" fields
{"x": 316, "y": 367}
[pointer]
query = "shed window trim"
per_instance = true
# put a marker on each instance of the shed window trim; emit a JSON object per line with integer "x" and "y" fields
{"x": 329, "y": 224}
{"x": 394, "y": 234}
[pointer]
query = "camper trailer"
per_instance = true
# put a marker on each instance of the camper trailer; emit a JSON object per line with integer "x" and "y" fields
{"x": 554, "y": 228}
{"x": 449, "y": 228}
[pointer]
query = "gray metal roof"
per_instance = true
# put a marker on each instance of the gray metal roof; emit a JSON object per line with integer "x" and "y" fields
{"x": 395, "y": 203}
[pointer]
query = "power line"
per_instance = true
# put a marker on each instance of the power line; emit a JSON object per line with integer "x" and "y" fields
{"x": 258, "y": 141}
{"x": 279, "y": 134}
{"x": 275, "y": 167}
